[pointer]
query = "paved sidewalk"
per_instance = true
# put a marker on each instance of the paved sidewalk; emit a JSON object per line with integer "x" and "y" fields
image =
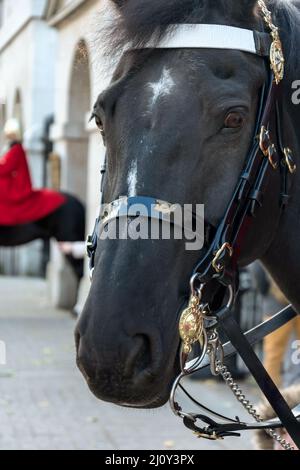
{"x": 45, "y": 404}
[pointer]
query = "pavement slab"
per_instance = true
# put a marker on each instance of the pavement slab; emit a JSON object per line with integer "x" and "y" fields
{"x": 46, "y": 405}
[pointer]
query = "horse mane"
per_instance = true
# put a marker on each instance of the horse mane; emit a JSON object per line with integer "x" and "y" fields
{"x": 135, "y": 22}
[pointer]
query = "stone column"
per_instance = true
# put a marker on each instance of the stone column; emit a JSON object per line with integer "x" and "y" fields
{"x": 71, "y": 144}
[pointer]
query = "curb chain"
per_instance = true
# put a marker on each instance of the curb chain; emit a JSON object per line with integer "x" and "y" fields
{"x": 227, "y": 377}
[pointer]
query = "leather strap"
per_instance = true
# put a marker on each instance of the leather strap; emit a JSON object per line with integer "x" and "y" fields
{"x": 218, "y": 430}
{"x": 263, "y": 43}
{"x": 264, "y": 155}
{"x": 213, "y": 36}
{"x": 262, "y": 378}
{"x": 256, "y": 334}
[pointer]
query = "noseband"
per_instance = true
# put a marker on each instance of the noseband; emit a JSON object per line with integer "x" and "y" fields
{"x": 214, "y": 282}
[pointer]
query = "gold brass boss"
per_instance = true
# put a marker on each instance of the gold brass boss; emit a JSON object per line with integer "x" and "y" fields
{"x": 191, "y": 325}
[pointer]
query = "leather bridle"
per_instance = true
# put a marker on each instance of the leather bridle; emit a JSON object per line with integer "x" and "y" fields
{"x": 215, "y": 278}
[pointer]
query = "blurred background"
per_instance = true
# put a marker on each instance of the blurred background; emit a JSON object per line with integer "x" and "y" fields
{"x": 48, "y": 81}
{"x": 50, "y": 76}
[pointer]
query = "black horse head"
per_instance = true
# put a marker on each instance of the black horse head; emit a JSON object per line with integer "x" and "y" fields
{"x": 178, "y": 125}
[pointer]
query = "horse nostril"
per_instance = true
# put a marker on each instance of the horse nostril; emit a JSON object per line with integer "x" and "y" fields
{"x": 139, "y": 358}
{"x": 84, "y": 362}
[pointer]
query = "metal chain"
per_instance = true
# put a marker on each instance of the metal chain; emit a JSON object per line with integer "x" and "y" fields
{"x": 227, "y": 377}
{"x": 276, "y": 51}
{"x": 267, "y": 14}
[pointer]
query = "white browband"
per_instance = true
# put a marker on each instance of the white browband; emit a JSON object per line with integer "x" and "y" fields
{"x": 211, "y": 36}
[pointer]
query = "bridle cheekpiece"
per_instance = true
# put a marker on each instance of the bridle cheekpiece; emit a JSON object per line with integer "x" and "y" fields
{"x": 214, "y": 282}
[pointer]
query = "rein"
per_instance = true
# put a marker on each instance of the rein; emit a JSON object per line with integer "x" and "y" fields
{"x": 214, "y": 282}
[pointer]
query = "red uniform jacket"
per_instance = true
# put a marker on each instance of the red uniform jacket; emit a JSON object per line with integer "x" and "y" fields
{"x": 19, "y": 203}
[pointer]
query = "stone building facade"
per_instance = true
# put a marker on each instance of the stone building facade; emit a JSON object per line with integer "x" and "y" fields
{"x": 49, "y": 66}
{"x": 76, "y": 141}
{"x": 27, "y": 64}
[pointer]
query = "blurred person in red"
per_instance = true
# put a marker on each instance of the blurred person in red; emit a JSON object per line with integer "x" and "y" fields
{"x": 19, "y": 202}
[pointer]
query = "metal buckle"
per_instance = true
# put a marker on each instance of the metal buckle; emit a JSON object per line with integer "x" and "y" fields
{"x": 215, "y": 352}
{"x": 89, "y": 246}
{"x": 210, "y": 437}
{"x": 289, "y": 160}
{"x": 271, "y": 152}
{"x": 218, "y": 267}
{"x": 268, "y": 149}
{"x": 264, "y": 140}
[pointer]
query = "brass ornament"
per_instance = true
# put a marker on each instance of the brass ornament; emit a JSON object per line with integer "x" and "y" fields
{"x": 277, "y": 60}
{"x": 276, "y": 51}
{"x": 216, "y": 264}
{"x": 191, "y": 325}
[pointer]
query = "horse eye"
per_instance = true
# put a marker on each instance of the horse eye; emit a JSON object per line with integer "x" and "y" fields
{"x": 234, "y": 120}
{"x": 99, "y": 124}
